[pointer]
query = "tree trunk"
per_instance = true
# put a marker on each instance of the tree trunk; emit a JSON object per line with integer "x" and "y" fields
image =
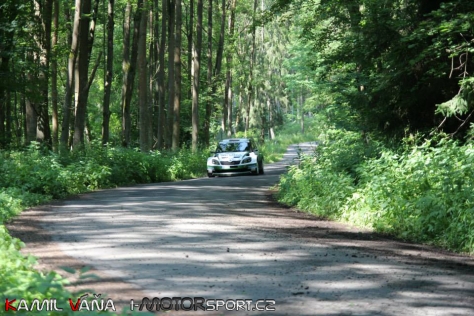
{"x": 171, "y": 72}
{"x": 218, "y": 67}
{"x": 196, "y": 68}
{"x": 161, "y": 76}
{"x": 207, "y": 118}
{"x": 54, "y": 79}
{"x": 31, "y": 116}
{"x": 130, "y": 78}
{"x": 301, "y": 104}
{"x": 126, "y": 118}
{"x": 191, "y": 44}
{"x": 145, "y": 113}
{"x": 177, "y": 79}
{"x": 83, "y": 68}
{"x": 228, "y": 86}
{"x": 252, "y": 63}
{"x": 8, "y": 118}
{"x": 220, "y": 46}
{"x": 70, "y": 80}
{"x": 7, "y": 37}
{"x": 153, "y": 67}
{"x": 43, "y": 14}
{"x": 109, "y": 72}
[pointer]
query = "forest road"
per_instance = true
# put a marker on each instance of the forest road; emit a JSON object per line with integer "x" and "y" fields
{"x": 225, "y": 238}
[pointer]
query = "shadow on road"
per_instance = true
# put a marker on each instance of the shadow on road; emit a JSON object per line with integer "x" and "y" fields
{"x": 225, "y": 238}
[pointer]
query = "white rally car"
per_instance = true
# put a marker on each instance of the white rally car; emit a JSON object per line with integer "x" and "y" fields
{"x": 233, "y": 156}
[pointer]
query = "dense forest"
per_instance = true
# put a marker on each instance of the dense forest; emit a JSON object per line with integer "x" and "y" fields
{"x": 104, "y": 93}
{"x": 163, "y": 74}
{"x": 147, "y": 74}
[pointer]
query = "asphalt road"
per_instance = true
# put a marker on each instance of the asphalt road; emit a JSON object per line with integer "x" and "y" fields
{"x": 224, "y": 238}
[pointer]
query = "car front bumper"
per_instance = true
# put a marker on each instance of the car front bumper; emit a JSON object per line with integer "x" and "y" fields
{"x": 232, "y": 169}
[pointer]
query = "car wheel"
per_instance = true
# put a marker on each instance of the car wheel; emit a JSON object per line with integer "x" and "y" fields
{"x": 257, "y": 171}
{"x": 260, "y": 171}
{"x": 210, "y": 175}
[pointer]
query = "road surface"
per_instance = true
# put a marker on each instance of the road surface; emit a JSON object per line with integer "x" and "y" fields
{"x": 225, "y": 238}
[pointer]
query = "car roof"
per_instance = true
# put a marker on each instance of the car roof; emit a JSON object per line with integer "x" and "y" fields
{"x": 234, "y": 140}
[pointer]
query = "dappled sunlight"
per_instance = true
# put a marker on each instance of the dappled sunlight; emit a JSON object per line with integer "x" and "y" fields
{"x": 223, "y": 238}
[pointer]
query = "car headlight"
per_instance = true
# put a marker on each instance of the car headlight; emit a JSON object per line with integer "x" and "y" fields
{"x": 215, "y": 162}
{"x": 246, "y": 160}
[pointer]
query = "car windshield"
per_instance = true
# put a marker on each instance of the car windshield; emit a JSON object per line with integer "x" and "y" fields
{"x": 232, "y": 147}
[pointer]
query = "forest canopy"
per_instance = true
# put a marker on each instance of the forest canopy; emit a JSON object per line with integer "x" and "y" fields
{"x": 396, "y": 65}
{"x": 164, "y": 74}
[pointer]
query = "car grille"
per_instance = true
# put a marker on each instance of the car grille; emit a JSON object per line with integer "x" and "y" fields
{"x": 230, "y": 163}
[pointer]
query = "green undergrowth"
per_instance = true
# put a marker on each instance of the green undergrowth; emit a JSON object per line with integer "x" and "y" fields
{"x": 422, "y": 191}
{"x": 35, "y": 176}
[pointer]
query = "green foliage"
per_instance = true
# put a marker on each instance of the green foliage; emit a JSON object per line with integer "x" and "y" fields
{"x": 422, "y": 191}
{"x": 389, "y": 62}
{"x": 35, "y": 176}
{"x": 20, "y": 280}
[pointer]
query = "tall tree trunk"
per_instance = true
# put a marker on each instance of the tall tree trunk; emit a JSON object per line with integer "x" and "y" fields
{"x": 196, "y": 68}
{"x": 219, "y": 55}
{"x": 43, "y": 14}
{"x": 228, "y": 91}
{"x": 153, "y": 67}
{"x": 145, "y": 113}
{"x": 54, "y": 79}
{"x": 220, "y": 46}
{"x": 225, "y": 106}
{"x": 31, "y": 116}
{"x": 239, "y": 109}
{"x": 83, "y": 69}
{"x": 207, "y": 118}
{"x": 3, "y": 105}
{"x": 301, "y": 111}
{"x": 131, "y": 73}
{"x": 177, "y": 79}
{"x": 126, "y": 118}
{"x": 70, "y": 80}
{"x": 190, "y": 32}
{"x": 109, "y": 72}
{"x": 161, "y": 76}
{"x": 8, "y": 118}
{"x": 171, "y": 72}
{"x": 252, "y": 63}
{"x": 7, "y": 36}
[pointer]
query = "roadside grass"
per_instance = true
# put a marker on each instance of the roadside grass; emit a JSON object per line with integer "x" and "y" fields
{"x": 421, "y": 191}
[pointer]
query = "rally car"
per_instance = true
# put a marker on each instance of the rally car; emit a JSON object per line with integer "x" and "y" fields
{"x": 235, "y": 156}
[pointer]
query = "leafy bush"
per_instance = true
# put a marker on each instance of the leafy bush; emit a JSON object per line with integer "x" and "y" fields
{"x": 14, "y": 200}
{"x": 20, "y": 280}
{"x": 421, "y": 192}
{"x": 57, "y": 176}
